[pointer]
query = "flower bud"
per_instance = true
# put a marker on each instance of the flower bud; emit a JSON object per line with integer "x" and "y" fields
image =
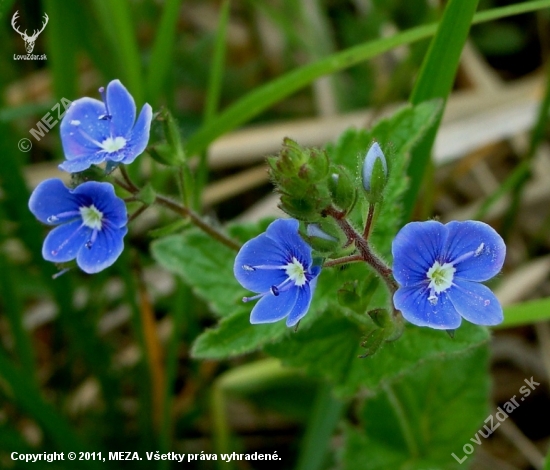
{"x": 342, "y": 189}
{"x": 320, "y": 238}
{"x": 375, "y": 173}
{"x": 300, "y": 176}
{"x": 176, "y": 154}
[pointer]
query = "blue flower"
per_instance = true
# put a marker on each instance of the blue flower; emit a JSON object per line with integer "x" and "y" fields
{"x": 439, "y": 267}
{"x": 93, "y": 131}
{"x": 91, "y": 223}
{"x": 374, "y": 153}
{"x": 278, "y": 266}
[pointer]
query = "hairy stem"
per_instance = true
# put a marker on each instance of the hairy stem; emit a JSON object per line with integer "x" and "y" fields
{"x": 197, "y": 220}
{"x": 364, "y": 249}
{"x": 368, "y": 224}
{"x": 128, "y": 185}
{"x": 343, "y": 260}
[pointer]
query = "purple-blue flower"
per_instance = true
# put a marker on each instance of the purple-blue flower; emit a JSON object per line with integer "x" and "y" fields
{"x": 439, "y": 269}
{"x": 277, "y": 265}
{"x": 93, "y": 131}
{"x": 91, "y": 223}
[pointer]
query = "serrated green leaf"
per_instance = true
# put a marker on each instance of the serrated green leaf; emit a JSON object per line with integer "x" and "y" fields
{"x": 422, "y": 418}
{"x": 330, "y": 348}
{"x": 203, "y": 263}
{"x": 235, "y": 335}
{"x": 206, "y": 265}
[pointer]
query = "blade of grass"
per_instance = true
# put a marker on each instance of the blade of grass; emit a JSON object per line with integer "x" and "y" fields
{"x": 212, "y": 96}
{"x": 265, "y": 96}
{"x": 144, "y": 386}
{"x": 182, "y": 305}
{"x": 435, "y": 80}
{"x": 325, "y": 415}
{"x": 13, "y": 308}
{"x": 61, "y": 44}
{"x": 163, "y": 50}
{"x": 526, "y": 313}
{"x": 116, "y": 22}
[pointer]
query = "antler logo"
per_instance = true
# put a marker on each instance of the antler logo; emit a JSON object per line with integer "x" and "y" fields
{"x": 29, "y": 40}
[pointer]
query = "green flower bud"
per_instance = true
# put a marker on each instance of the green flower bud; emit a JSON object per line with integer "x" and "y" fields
{"x": 321, "y": 240}
{"x": 381, "y": 317}
{"x": 300, "y": 176}
{"x": 176, "y": 155}
{"x": 375, "y": 173}
{"x": 147, "y": 194}
{"x": 342, "y": 189}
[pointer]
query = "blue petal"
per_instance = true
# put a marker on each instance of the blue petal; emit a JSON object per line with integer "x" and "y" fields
{"x": 417, "y": 309}
{"x": 260, "y": 250}
{"x": 271, "y": 308}
{"x": 302, "y": 303}
{"x": 121, "y": 107}
{"x": 415, "y": 249}
{"x": 103, "y": 197}
{"x": 475, "y": 302}
{"x": 52, "y": 197}
{"x": 467, "y": 237}
{"x": 140, "y": 135}
{"x": 285, "y": 233}
{"x": 105, "y": 250}
{"x": 63, "y": 243}
{"x": 82, "y": 130}
{"x": 80, "y": 164}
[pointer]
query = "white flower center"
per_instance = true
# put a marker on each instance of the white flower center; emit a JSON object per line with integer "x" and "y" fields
{"x": 295, "y": 272}
{"x": 111, "y": 145}
{"x": 91, "y": 217}
{"x": 441, "y": 278}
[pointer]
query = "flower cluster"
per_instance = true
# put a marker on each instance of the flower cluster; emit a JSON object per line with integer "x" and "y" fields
{"x": 90, "y": 219}
{"x": 437, "y": 269}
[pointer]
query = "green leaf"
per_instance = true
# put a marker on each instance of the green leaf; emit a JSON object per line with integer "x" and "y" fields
{"x": 206, "y": 265}
{"x": 331, "y": 346}
{"x": 419, "y": 420}
{"x": 235, "y": 335}
{"x": 203, "y": 263}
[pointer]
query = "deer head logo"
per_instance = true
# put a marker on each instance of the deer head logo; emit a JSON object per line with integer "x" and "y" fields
{"x": 29, "y": 40}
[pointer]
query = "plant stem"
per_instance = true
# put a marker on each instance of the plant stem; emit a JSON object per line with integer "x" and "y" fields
{"x": 368, "y": 224}
{"x": 127, "y": 179}
{"x": 197, "y": 220}
{"x": 129, "y": 186}
{"x": 343, "y": 260}
{"x": 364, "y": 249}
